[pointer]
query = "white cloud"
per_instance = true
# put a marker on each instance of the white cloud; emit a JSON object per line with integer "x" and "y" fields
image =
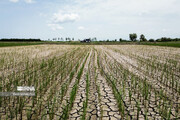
{"x": 29, "y": 1}
{"x": 65, "y": 17}
{"x": 26, "y": 1}
{"x": 14, "y": 1}
{"x": 61, "y": 18}
{"x": 55, "y": 27}
{"x": 117, "y": 18}
{"x": 81, "y": 28}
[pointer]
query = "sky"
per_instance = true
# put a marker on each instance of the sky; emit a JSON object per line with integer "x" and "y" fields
{"x": 80, "y": 19}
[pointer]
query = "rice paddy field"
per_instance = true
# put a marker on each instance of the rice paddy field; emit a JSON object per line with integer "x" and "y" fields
{"x": 91, "y": 82}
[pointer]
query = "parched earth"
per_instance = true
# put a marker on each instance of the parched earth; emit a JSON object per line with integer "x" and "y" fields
{"x": 111, "y": 82}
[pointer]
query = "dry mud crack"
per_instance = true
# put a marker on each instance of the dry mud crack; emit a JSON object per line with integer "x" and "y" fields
{"x": 91, "y": 82}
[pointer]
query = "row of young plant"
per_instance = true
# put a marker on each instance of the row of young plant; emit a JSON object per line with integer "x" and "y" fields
{"x": 89, "y": 81}
{"x": 69, "y": 104}
{"x": 63, "y": 89}
{"x": 17, "y": 59}
{"x": 118, "y": 96}
{"x": 22, "y": 77}
{"x": 147, "y": 91}
{"x": 170, "y": 94}
{"x": 92, "y": 87}
{"x": 167, "y": 80}
{"x": 21, "y": 103}
{"x": 59, "y": 81}
{"x": 140, "y": 86}
{"x": 159, "y": 85}
{"x": 45, "y": 80}
{"x": 85, "y": 102}
{"x": 8, "y": 86}
{"x": 96, "y": 73}
{"x": 166, "y": 72}
{"x": 27, "y": 78}
{"x": 112, "y": 80}
{"x": 55, "y": 87}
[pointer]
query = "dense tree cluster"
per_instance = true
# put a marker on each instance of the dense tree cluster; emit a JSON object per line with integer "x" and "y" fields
{"x": 133, "y": 37}
{"x": 19, "y": 40}
{"x": 142, "y": 38}
{"x": 164, "y": 39}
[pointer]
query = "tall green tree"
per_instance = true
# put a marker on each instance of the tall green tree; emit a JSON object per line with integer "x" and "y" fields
{"x": 142, "y": 38}
{"x": 133, "y": 37}
{"x": 120, "y": 39}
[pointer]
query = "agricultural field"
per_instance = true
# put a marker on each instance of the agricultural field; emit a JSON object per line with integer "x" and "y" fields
{"x": 91, "y": 82}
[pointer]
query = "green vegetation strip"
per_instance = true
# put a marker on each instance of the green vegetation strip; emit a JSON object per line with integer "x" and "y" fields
{"x": 9, "y": 44}
{"x": 167, "y": 44}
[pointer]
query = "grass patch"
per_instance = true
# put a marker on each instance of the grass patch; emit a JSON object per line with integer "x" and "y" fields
{"x": 9, "y": 44}
{"x": 167, "y": 44}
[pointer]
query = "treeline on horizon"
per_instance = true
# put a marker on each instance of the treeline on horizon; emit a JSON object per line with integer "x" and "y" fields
{"x": 19, "y": 40}
{"x": 142, "y": 38}
{"x": 132, "y": 38}
{"x": 163, "y": 39}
